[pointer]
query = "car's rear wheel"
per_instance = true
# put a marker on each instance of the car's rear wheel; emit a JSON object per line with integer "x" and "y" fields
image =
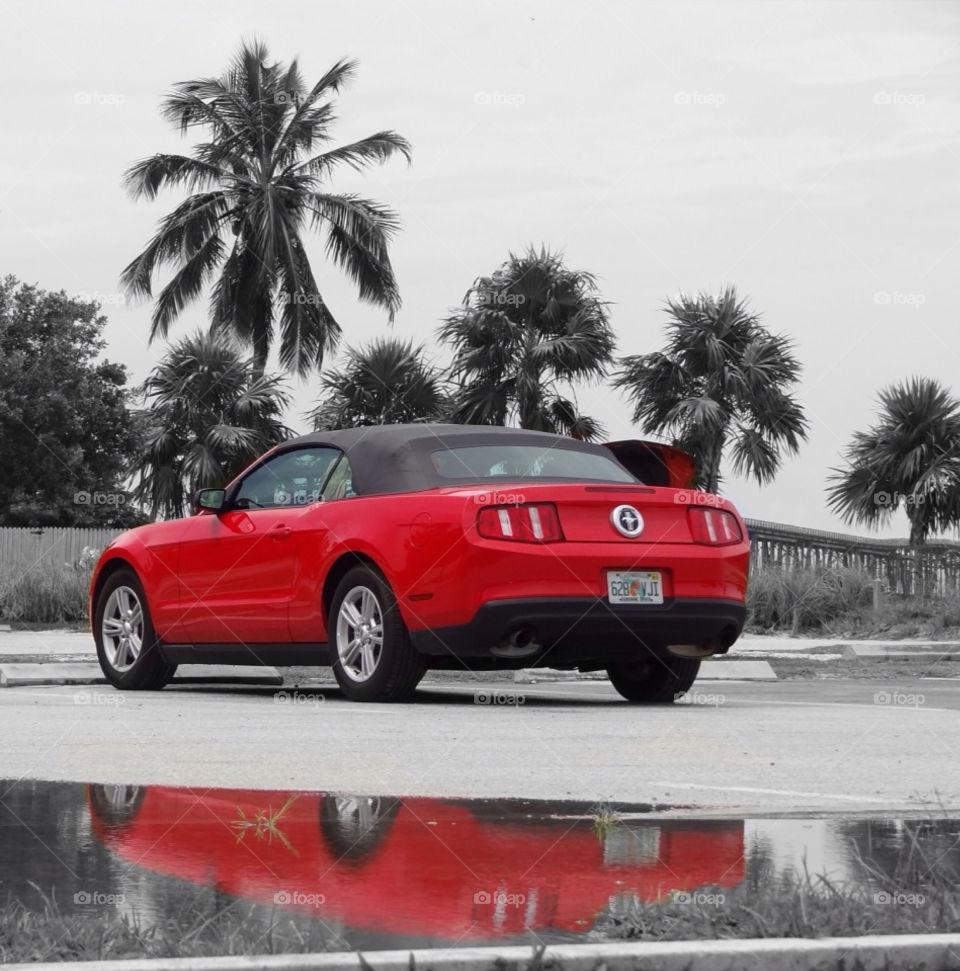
{"x": 372, "y": 657}
{"x": 355, "y": 827}
{"x": 654, "y": 680}
{"x": 127, "y": 645}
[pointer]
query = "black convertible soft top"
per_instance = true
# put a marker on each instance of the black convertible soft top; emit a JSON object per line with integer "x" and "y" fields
{"x": 389, "y": 459}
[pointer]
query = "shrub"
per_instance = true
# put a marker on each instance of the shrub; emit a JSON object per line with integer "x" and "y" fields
{"x": 806, "y": 598}
{"x": 45, "y": 594}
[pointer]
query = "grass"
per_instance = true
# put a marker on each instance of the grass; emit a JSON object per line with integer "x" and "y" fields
{"x": 43, "y": 595}
{"x": 838, "y": 602}
{"x": 901, "y": 669}
{"x": 915, "y": 892}
{"x": 804, "y": 599}
{"x": 50, "y": 935}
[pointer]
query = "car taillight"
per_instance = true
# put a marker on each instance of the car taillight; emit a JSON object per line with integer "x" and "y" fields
{"x": 533, "y": 522}
{"x": 713, "y": 527}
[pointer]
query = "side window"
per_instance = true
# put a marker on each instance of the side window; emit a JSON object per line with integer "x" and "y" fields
{"x": 340, "y": 484}
{"x": 290, "y": 479}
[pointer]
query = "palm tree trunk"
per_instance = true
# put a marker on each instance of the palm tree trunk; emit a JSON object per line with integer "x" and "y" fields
{"x": 261, "y": 342}
{"x": 714, "y": 457}
{"x": 917, "y": 541}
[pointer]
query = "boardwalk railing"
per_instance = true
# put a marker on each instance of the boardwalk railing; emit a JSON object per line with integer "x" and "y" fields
{"x": 933, "y": 571}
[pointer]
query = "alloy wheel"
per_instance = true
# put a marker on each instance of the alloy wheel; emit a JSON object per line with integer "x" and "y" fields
{"x": 360, "y": 633}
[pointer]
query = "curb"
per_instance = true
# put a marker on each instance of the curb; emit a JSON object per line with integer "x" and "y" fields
{"x": 906, "y": 650}
{"x": 54, "y": 673}
{"x": 874, "y": 953}
{"x": 734, "y": 669}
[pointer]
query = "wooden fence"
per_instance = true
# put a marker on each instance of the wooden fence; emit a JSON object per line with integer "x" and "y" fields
{"x": 932, "y": 571}
{"x": 22, "y": 547}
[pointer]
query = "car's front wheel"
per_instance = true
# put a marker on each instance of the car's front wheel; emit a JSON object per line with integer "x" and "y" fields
{"x": 372, "y": 657}
{"x": 654, "y": 680}
{"x": 127, "y": 645}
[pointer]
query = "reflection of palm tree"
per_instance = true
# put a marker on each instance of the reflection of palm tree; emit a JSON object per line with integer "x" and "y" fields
{"x": 265, "y": 824}
{"x": 721, "y": 384}
{"x": 257, "y": 183}
{"x": 521, "y": 334}
{"x": 210, "y": 415}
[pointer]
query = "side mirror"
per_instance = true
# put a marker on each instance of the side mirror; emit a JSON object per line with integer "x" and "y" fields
{"x": 209, "y": 499}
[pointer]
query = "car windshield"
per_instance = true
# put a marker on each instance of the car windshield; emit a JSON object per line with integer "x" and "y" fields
{"x": 526, "y": 461}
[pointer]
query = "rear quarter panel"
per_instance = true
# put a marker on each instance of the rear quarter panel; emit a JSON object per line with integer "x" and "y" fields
{"x": 408, "y": 537}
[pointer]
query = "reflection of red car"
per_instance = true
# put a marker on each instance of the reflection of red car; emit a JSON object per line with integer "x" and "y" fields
{"x": 411, "y": 866}
{"x": 394, "y": 549}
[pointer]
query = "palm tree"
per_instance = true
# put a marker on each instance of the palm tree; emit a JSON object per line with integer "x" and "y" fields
{"x": 719, "y": 386}
{"x": 209, "y": 414}
{"x": 257, "y": 183}
{"x": 383, "y": 383}
{"x": 523, "y": 333}
{"x": 910, "y": 460}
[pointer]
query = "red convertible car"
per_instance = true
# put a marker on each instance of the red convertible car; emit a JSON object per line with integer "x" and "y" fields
{"x": 388, "y": 550}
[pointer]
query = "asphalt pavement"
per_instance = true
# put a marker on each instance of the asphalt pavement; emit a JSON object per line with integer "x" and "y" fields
{"x": 731, "y": 747}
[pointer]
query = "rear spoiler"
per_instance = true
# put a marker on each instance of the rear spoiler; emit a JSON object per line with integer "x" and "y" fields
{"x": 655, "y": 464}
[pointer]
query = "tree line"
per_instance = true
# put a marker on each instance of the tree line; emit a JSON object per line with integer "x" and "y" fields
{"x": 523, "y": 338}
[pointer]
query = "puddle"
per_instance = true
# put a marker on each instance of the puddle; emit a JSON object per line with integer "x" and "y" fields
{"x": 376, "y": 872}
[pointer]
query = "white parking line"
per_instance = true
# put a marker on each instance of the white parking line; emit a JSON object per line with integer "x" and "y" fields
{"x": 756, "y": 791}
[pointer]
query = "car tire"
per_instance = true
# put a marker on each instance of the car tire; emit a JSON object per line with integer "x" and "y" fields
{"x": 127, "y": 645}
{"x": 655, "y": 680}
{"x": 355, "y": 827}
{"x": 115, "y": 806}
{"x": 370, "y": 651}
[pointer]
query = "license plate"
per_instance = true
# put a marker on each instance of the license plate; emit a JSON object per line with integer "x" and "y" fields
{"x": 631, "y": 587}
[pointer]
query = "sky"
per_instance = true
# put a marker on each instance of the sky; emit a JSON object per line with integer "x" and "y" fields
{"x": 806, "y": 153}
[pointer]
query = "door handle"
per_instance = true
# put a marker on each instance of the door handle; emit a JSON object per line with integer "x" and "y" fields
{"x": 280, "y": 531}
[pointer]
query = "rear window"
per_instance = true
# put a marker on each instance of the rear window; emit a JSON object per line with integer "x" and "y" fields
{"x": 525, "y": 462}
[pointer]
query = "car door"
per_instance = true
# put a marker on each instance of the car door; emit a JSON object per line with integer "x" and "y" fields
{"x": 238, "y": 566}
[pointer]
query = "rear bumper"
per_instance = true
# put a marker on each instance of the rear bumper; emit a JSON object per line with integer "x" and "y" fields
{"x": 584, "y": 631}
